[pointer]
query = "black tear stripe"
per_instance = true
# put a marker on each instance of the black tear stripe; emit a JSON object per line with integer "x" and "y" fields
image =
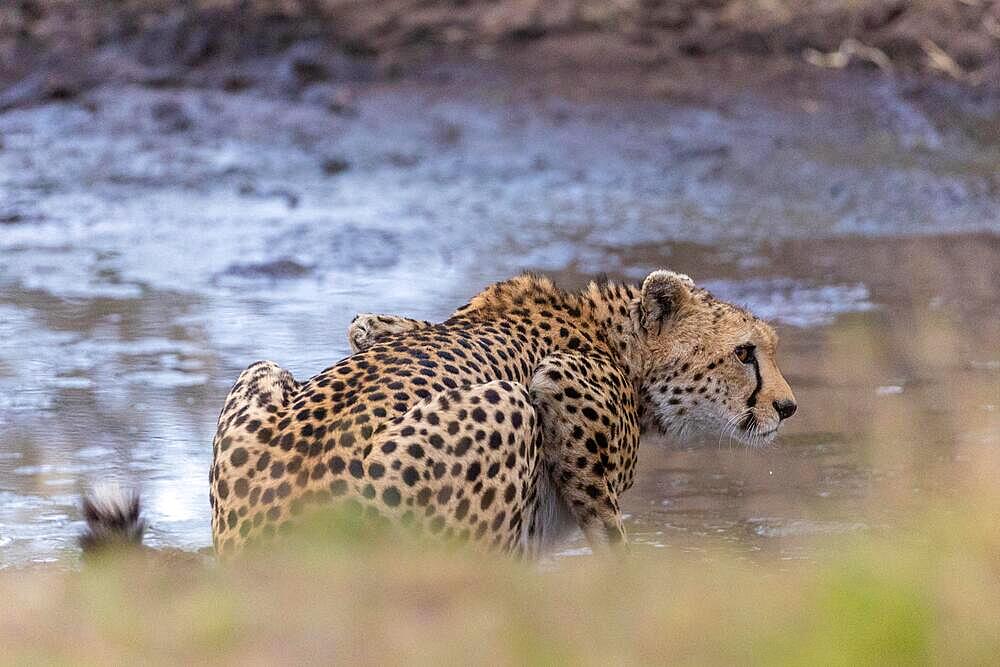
{"x": 749, "y": 420}
{"x": 752, "y": 400}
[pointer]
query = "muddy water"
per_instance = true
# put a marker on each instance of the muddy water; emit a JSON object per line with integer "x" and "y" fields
{"x": 153, "y": 243}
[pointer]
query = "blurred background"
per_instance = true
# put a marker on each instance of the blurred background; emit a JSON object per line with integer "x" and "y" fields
{"x": 187, "y": 187}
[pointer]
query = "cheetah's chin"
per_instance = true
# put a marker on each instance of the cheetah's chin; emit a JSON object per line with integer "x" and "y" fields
{"x": 752, "y": 438}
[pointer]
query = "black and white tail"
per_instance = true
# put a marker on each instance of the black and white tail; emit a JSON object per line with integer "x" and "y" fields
{"x": 114, "y": 520}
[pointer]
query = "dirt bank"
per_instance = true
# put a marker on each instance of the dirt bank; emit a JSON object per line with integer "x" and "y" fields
{"x": 56, "y": 48}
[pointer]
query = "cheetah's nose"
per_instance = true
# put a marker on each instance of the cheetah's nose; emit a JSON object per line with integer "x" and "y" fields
{"x": 785, "y": 408}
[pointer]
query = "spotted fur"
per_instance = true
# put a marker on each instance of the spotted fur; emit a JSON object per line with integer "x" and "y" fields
{"x": 513, "y": 420}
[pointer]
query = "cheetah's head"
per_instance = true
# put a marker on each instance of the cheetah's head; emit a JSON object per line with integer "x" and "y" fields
{"x": 710, "y": 365}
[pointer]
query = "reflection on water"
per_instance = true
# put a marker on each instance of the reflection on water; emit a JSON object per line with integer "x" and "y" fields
{"x": 146, "y": 272}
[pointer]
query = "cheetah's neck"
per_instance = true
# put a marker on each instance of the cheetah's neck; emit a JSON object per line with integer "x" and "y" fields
{"x": 613, "y": 308}
{"x": 605, "y": 314}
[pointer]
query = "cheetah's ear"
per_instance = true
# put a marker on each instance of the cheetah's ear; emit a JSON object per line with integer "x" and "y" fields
{"x": 664, "y": 294}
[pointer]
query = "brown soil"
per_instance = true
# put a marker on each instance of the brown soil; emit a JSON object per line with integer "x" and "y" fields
{"x": 55, "y": 48}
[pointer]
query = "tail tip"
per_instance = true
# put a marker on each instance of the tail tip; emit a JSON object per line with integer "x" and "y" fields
{"x": 114, "y": 519}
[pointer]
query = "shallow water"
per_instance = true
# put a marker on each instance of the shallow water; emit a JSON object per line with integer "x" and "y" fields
{"x": 141, "y": 268}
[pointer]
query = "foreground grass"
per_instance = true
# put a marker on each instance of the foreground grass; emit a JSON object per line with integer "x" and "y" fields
{"x": 930, "y": 594}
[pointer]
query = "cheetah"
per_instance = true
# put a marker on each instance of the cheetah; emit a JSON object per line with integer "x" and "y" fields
{"x": 513, "y": 421}
{"x": 517, "y": 416}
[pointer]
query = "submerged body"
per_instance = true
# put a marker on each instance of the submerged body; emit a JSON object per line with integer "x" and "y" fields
{"x": 516, "y": 417}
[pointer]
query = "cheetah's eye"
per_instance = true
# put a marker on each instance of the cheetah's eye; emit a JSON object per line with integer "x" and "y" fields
{"x": 745, "y": 353}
